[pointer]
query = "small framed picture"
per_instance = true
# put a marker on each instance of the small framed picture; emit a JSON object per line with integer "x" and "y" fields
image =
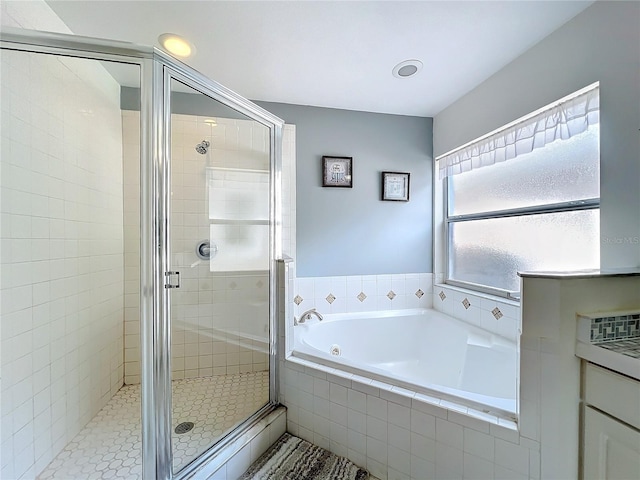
{"x": 395, "y": 186}
{"x": 337, "y": 172}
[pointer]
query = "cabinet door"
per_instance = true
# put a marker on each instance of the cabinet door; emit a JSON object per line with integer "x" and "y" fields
{"x": 611, "y": 448}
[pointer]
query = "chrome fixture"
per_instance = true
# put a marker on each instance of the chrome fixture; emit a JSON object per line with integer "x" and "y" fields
{"x": 203, "y": 147}
{"x": 205, "y": 250}
{"x": 307, "y": 316}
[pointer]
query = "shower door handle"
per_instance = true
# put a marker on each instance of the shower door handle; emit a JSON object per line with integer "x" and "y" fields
{"x": 169, "y": 279}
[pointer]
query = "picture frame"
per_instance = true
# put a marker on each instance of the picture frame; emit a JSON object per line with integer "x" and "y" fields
{"x": 337, "y": 171}
{"x": 395, "y": 186}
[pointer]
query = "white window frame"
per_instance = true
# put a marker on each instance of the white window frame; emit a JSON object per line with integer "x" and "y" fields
{"x": 443, "y": 224}
{"x": 571, "y": 206}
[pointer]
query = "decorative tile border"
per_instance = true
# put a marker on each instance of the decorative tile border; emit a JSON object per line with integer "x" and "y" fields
{"x": 360, "y": 293}
{"x": 488, "y": 312}
{"x": 615, "y": 328}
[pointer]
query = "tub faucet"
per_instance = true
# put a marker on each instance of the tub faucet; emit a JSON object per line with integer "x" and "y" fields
{"x": 307, "y": 316}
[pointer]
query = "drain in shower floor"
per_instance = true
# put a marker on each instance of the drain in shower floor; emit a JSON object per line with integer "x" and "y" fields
{"x": 184, "y": 427}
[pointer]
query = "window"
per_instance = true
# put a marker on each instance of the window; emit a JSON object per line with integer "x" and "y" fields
{"x": 534, "y": 205}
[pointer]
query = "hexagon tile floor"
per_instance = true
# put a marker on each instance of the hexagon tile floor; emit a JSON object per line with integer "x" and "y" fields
{"x": 109, "y": 446}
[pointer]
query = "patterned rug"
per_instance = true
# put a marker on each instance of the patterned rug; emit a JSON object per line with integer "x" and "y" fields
{"x": 292, "y": 458}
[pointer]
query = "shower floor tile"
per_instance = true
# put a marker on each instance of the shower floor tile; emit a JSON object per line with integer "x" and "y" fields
{"x": 109, "y": 447}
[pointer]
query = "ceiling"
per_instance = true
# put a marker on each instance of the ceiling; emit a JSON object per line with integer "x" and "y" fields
{"x": 336, "y": 54}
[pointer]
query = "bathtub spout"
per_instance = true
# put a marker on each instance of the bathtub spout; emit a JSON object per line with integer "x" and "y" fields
{"x": 307, "y": 316}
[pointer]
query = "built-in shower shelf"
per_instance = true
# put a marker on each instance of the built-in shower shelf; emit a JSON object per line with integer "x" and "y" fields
{"x": 234, "y": 221}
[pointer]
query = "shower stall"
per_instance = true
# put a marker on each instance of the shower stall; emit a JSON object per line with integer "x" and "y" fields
{"x": 140, "y": 233}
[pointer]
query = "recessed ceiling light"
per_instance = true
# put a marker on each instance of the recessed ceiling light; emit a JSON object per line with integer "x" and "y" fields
{"x": 176, "y": 45}
{"x": 406, "y": 69}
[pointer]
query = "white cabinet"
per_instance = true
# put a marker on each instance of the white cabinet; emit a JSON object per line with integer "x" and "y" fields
{"x": 611, "y": 448}
{"x": 611, "y": 421}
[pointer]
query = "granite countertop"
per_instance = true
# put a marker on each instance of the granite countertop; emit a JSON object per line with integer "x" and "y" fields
{"x": 611, "y": 340}
{"x": 626, "y": 272}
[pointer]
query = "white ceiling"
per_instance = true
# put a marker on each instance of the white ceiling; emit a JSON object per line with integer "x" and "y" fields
{"x": 335, "y": 54}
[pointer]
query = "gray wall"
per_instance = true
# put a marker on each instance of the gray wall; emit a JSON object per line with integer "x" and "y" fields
{"x": 600, "y": 44}
{"x": 350, "y": 231}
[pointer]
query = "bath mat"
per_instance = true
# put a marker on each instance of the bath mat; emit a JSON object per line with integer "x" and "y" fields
{"x": 292, "y": 458}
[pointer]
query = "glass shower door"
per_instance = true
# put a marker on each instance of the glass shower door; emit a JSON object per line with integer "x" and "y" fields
{"x": 219, "y": 242}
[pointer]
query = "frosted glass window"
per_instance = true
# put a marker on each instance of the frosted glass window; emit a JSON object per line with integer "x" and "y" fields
{"x": 492, "y": 251}
{"x": 563, "y": 171}
{"x": 536, "y": 212}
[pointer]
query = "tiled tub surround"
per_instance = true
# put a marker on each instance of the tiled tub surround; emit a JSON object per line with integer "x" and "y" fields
{"x": 61, "y": 253}
{"x": 397, "y": 434}
{"x": 393, "y": 432}
{"x": 362, "y": 293}
{"x": 404, "y": 291}
{"x": 488, "y": 312}
{"x": 421, "y": 350}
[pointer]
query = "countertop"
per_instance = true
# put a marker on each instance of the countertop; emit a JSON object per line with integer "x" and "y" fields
{"x": 626, "y": 272}
{"x": 610, "y": 359}
{"x": 620, "y": 355}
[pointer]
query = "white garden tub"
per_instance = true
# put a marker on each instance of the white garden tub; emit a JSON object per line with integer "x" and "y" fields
{"x": 422, "y": 350}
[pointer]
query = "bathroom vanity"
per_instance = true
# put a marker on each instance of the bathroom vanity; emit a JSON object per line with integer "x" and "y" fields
{"x": 609, "y": 346}
{"x": 551, "y": 385}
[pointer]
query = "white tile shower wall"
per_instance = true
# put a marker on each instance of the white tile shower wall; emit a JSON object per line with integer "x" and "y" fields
{"x": 131, "y": 212}
{"x": 485, "y": 311}
{"x": 363, "y": 293}
{"x": 61, "y": 253}
{"x": 207, "y": 338}
{"x": 220, "y": 320}
{"x": 397, "y": 435}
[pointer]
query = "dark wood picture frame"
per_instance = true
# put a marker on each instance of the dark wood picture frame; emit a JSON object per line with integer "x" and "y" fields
{"x": 395, "y": 186}
{"x": 337, "y": 171}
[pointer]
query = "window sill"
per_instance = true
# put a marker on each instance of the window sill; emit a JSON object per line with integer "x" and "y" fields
{"x": 477, "y": 293}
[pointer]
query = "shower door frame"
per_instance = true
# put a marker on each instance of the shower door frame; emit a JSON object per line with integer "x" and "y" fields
{"x": 191, "y": 78}
{"x": 156, "y": 71}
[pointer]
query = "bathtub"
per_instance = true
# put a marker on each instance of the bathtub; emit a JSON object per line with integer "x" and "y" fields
{"x": 422, "y": 350}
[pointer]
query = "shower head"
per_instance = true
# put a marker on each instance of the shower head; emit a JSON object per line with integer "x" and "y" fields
{"x": 202, "y": 147}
